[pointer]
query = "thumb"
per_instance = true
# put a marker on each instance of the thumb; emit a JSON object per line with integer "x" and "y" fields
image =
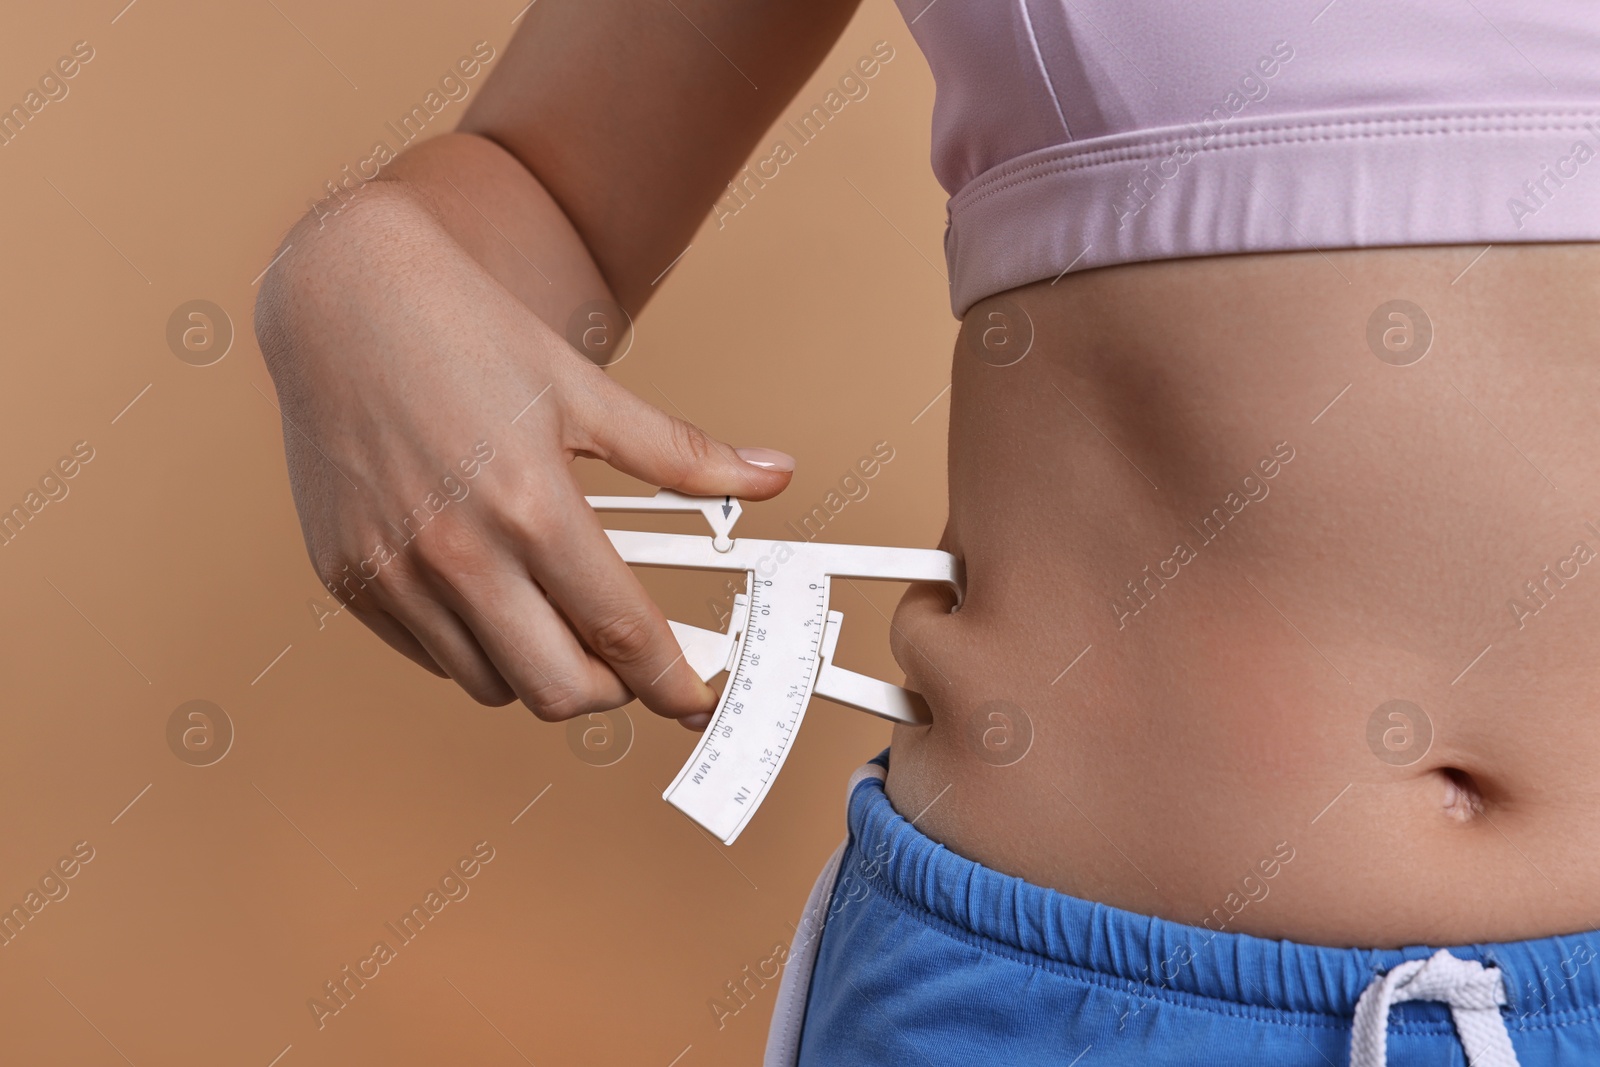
{"x": 645, "y": 442}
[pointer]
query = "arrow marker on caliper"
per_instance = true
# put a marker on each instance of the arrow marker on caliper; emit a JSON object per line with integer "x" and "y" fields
{"x": 778, "y": 647}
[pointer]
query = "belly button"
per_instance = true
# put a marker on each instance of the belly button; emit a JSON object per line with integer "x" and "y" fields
{"x": 1463, "y": 800}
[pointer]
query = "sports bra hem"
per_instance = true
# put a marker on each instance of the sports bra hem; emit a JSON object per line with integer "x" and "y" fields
{"x": 1309, "y": 181}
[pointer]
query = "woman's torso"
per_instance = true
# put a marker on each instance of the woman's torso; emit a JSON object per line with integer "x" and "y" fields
{"x": 1217, "y": 517}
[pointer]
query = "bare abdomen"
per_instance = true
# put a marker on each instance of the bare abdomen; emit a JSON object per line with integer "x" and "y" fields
{"x": 1262, "y": 577}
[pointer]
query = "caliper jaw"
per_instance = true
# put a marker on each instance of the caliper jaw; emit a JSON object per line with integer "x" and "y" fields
{"x": 710, "y": 652}
{"x": 862, "y": 691}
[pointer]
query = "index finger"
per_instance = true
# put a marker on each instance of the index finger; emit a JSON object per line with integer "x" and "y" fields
{"x": 579, "y": 569}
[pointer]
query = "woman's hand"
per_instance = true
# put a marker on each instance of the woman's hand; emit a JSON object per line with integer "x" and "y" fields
{"x": 429, "y": 419}
{"x": 408, "y": 329}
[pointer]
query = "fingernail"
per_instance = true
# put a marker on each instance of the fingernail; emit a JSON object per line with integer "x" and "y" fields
{"x": 769, "y": 459}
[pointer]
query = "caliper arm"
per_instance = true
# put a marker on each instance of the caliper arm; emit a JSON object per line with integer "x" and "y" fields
{"x": 710, "y": 653}
{"x": 778, "y": 647}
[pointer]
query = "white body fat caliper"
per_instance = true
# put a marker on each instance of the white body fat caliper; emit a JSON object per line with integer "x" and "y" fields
{"x": 778, "y": 647}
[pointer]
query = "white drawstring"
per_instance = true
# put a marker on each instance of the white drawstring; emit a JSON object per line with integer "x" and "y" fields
{"x": 1473, "y": 992}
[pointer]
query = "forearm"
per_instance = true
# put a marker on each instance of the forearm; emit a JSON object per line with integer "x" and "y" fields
{"x": 504, "y": 218}
{"x": 459, "y": 188}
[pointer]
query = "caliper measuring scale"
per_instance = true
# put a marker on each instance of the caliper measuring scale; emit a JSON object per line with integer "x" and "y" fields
{"x": 778, "y": 648}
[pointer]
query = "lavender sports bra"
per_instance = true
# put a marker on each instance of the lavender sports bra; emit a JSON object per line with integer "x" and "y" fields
{"x": 1083, "y": 133}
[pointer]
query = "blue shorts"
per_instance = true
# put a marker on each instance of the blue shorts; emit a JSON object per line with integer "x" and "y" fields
{"x": 909, "y": 954}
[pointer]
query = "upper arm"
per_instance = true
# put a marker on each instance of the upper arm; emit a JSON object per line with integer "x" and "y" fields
{"x": 633, "y": 114}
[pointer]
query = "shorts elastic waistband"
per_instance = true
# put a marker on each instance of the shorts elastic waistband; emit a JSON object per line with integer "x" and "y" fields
{"x": 1550, "y": 981}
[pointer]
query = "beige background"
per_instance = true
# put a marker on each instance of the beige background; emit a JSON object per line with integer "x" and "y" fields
{"x": 223, "y": 898}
